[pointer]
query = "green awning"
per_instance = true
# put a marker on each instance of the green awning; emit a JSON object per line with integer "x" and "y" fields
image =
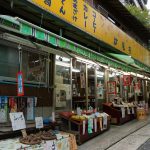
{"x": 125, "y": 62}
{"x": 126, "y": 59}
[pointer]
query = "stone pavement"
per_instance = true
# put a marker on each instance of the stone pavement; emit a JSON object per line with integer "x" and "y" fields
{"x": 145, "y": 146}
{"x": 129, "y": 136}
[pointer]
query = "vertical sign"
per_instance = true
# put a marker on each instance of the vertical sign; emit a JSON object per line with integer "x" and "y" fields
{"x": 111, "y": 87}
{"x": 20, "y": 84}
{"x": 126, "y": 80}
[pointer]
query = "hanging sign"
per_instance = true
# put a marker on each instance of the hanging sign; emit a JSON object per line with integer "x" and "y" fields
{"x": 137, "y": 87}
{"x": 111, "y": 87}
{"x": 17, "y": 121}
{"x": 126, "y": 80}
{"x": 20, "y": 84}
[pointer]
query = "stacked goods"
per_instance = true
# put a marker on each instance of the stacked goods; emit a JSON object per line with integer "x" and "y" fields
{"x": 78, "y": 117}
{"x": 31, "y": 139}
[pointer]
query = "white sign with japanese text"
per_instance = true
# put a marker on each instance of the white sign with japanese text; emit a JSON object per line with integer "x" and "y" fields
{"x": 17, "y": 121}
{"x": 39, "y": 122}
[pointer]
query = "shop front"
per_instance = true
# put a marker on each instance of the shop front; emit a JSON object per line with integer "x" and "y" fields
{"x": 63, "y": 78}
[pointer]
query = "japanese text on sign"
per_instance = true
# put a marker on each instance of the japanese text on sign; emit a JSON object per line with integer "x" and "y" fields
{"x": 20, "y": 89}
{"x": 17, "y": 121}
{"x": 39, "y": 122}
{"x": 86, "y": 18}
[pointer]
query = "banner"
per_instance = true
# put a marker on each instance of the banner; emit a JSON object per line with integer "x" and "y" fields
{"x": 20, "y": 84}
{"x": 111, "y": 87}
{"x": 126, "y": 80}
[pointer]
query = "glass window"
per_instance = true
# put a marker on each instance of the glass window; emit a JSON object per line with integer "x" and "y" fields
{"x": 91, "y": 80}
{"x": 63, "y": 84}
{"x": 78, "y": 78}
{"x": 34, "y": 67}
{"x": 9, "y": 61}
{"x": 62, "y": 70}
{"x": 100, "y": 83}
{"x": 91, "y": 85}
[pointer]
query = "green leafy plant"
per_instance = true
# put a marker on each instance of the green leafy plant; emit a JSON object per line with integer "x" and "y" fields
{"x": 142, "y": 15}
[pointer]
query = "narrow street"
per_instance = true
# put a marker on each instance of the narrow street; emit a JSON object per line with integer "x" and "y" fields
{"x": 130, "y": 136}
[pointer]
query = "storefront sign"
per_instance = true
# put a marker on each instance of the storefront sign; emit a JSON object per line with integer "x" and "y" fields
{"x": 17, "y": 121}
{"x": 126, "y": 80}
{"x": 86, "y": 18}
{"x": 111, "y": 87}
{"x": 20, "y": 85}
{"x": 39, "y": 122}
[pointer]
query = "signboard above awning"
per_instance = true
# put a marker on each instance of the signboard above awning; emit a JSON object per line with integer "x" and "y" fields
{"x": 85, "y": 18}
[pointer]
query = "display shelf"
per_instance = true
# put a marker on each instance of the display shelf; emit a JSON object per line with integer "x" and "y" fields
{"x": 76, "y": 127}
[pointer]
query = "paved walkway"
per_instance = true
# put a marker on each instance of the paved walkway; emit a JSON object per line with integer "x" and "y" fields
{"x": 129, "y": 136}
{"x": 145, "y": 146}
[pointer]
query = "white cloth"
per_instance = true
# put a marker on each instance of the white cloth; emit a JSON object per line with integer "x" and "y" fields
{"x": 128, "y": 110}
{"x": 133, "y": 110}
{"x": 123, "y": 112}
{"x": 104, "y": 115}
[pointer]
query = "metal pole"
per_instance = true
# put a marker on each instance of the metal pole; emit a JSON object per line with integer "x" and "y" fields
{"x": 96, "y": 98}
{"x": 61, "y": 32}
{"x": 54, "y": 80}
{"x": 71, "y": 83}
{"x": 121, "y": 86}
{"x": 20, "y": 57}
{"x": 106, "y": 79}
{"x": 86, "y": 89}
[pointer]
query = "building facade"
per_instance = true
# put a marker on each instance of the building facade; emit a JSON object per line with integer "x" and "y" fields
{"x": 71, "y": 54}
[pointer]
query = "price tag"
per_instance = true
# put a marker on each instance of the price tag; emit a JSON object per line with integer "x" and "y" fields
{"x": 39, "y": 122}
{"x": 17, "y": 121}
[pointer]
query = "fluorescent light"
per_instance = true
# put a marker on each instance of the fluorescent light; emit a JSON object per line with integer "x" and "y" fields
{"x": 140, "y": 76}
{"x": 111, "y": 20}
{"x": 100, "y": 76}
{"x": 89, "y": 66}
{"x": 100, "y": 73}
{"x": 132, "y": 73}
{"x": 60, "y": 63}
{"x": 63, "y": 58}
{"x": 75, "y": 70}
{"x": 91, "y": 62}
